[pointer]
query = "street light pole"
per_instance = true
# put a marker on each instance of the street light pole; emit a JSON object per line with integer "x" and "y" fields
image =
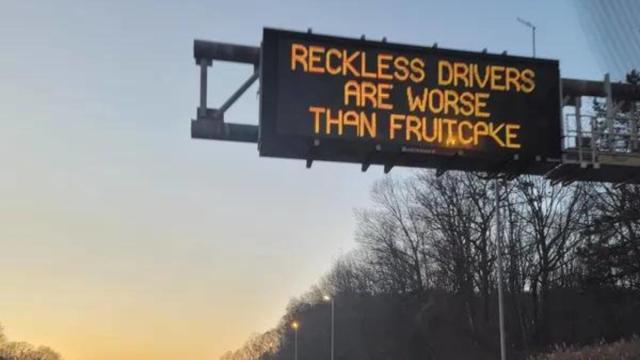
{"x": 333, "y": 321}
{"x": 333, "y": 318}
{"x": 295, "y": 326}
{"x": 499, "y": 230}
{"x": 533, "y": 32}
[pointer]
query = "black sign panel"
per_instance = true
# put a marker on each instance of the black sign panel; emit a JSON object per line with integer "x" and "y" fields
{"x": 330, "y": 98}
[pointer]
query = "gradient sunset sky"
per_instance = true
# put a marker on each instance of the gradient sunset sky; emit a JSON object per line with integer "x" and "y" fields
{"x": 122, "y": 238}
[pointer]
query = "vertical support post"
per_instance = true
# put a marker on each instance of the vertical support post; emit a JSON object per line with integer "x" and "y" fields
{"x": 202, "y": 108}
{"x": 635, "y": 114}
{"x": 595, "y": 137}
{"x": 578, "y": 105}
{"x": 503, "y": 345}
{"x": 610, "y": 111}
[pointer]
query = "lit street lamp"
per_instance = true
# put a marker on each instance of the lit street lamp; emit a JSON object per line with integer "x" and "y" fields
{"x": 328, "y": 298}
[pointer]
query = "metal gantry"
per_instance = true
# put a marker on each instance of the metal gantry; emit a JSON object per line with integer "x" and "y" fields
{"x": 599, "y": 145}
{"x": 209, "y": 123}
{"x": 596, "y": 147}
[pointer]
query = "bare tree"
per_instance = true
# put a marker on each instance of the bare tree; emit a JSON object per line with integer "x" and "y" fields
{"x": 3, "y": 338}
{"x": 350, "y": 275}
{"x": 459, "y": 209}
{"x": 395, "y": 236}
{"x": 554, "y": 216}
{"x": 25, "y": 351}
{"x": 257, "y": 347}
{"x": 19, "y": 350}
{"x": 612, "y": 254}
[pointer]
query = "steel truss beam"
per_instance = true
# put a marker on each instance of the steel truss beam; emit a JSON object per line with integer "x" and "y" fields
{"x": 209, "y": 123}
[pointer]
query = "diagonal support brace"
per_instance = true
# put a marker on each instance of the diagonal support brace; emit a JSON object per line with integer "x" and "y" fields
{"x": 243, "y": 88}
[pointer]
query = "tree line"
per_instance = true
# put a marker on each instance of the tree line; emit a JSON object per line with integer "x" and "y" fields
{"x": 20, "y": 350}
{"x": 422, "y": 282}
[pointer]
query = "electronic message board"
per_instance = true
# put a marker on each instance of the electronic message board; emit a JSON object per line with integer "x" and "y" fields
{"x": 354, "y": 100}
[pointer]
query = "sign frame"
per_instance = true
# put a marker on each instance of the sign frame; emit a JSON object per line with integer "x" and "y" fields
{"x": 273, "y": 143}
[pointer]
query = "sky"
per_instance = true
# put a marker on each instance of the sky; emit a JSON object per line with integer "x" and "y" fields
{"x": 122, "y": 238}
{"x": 613, "y": 32}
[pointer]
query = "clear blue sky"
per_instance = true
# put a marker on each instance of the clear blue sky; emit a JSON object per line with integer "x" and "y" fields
{"x": 123, "y": 238}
